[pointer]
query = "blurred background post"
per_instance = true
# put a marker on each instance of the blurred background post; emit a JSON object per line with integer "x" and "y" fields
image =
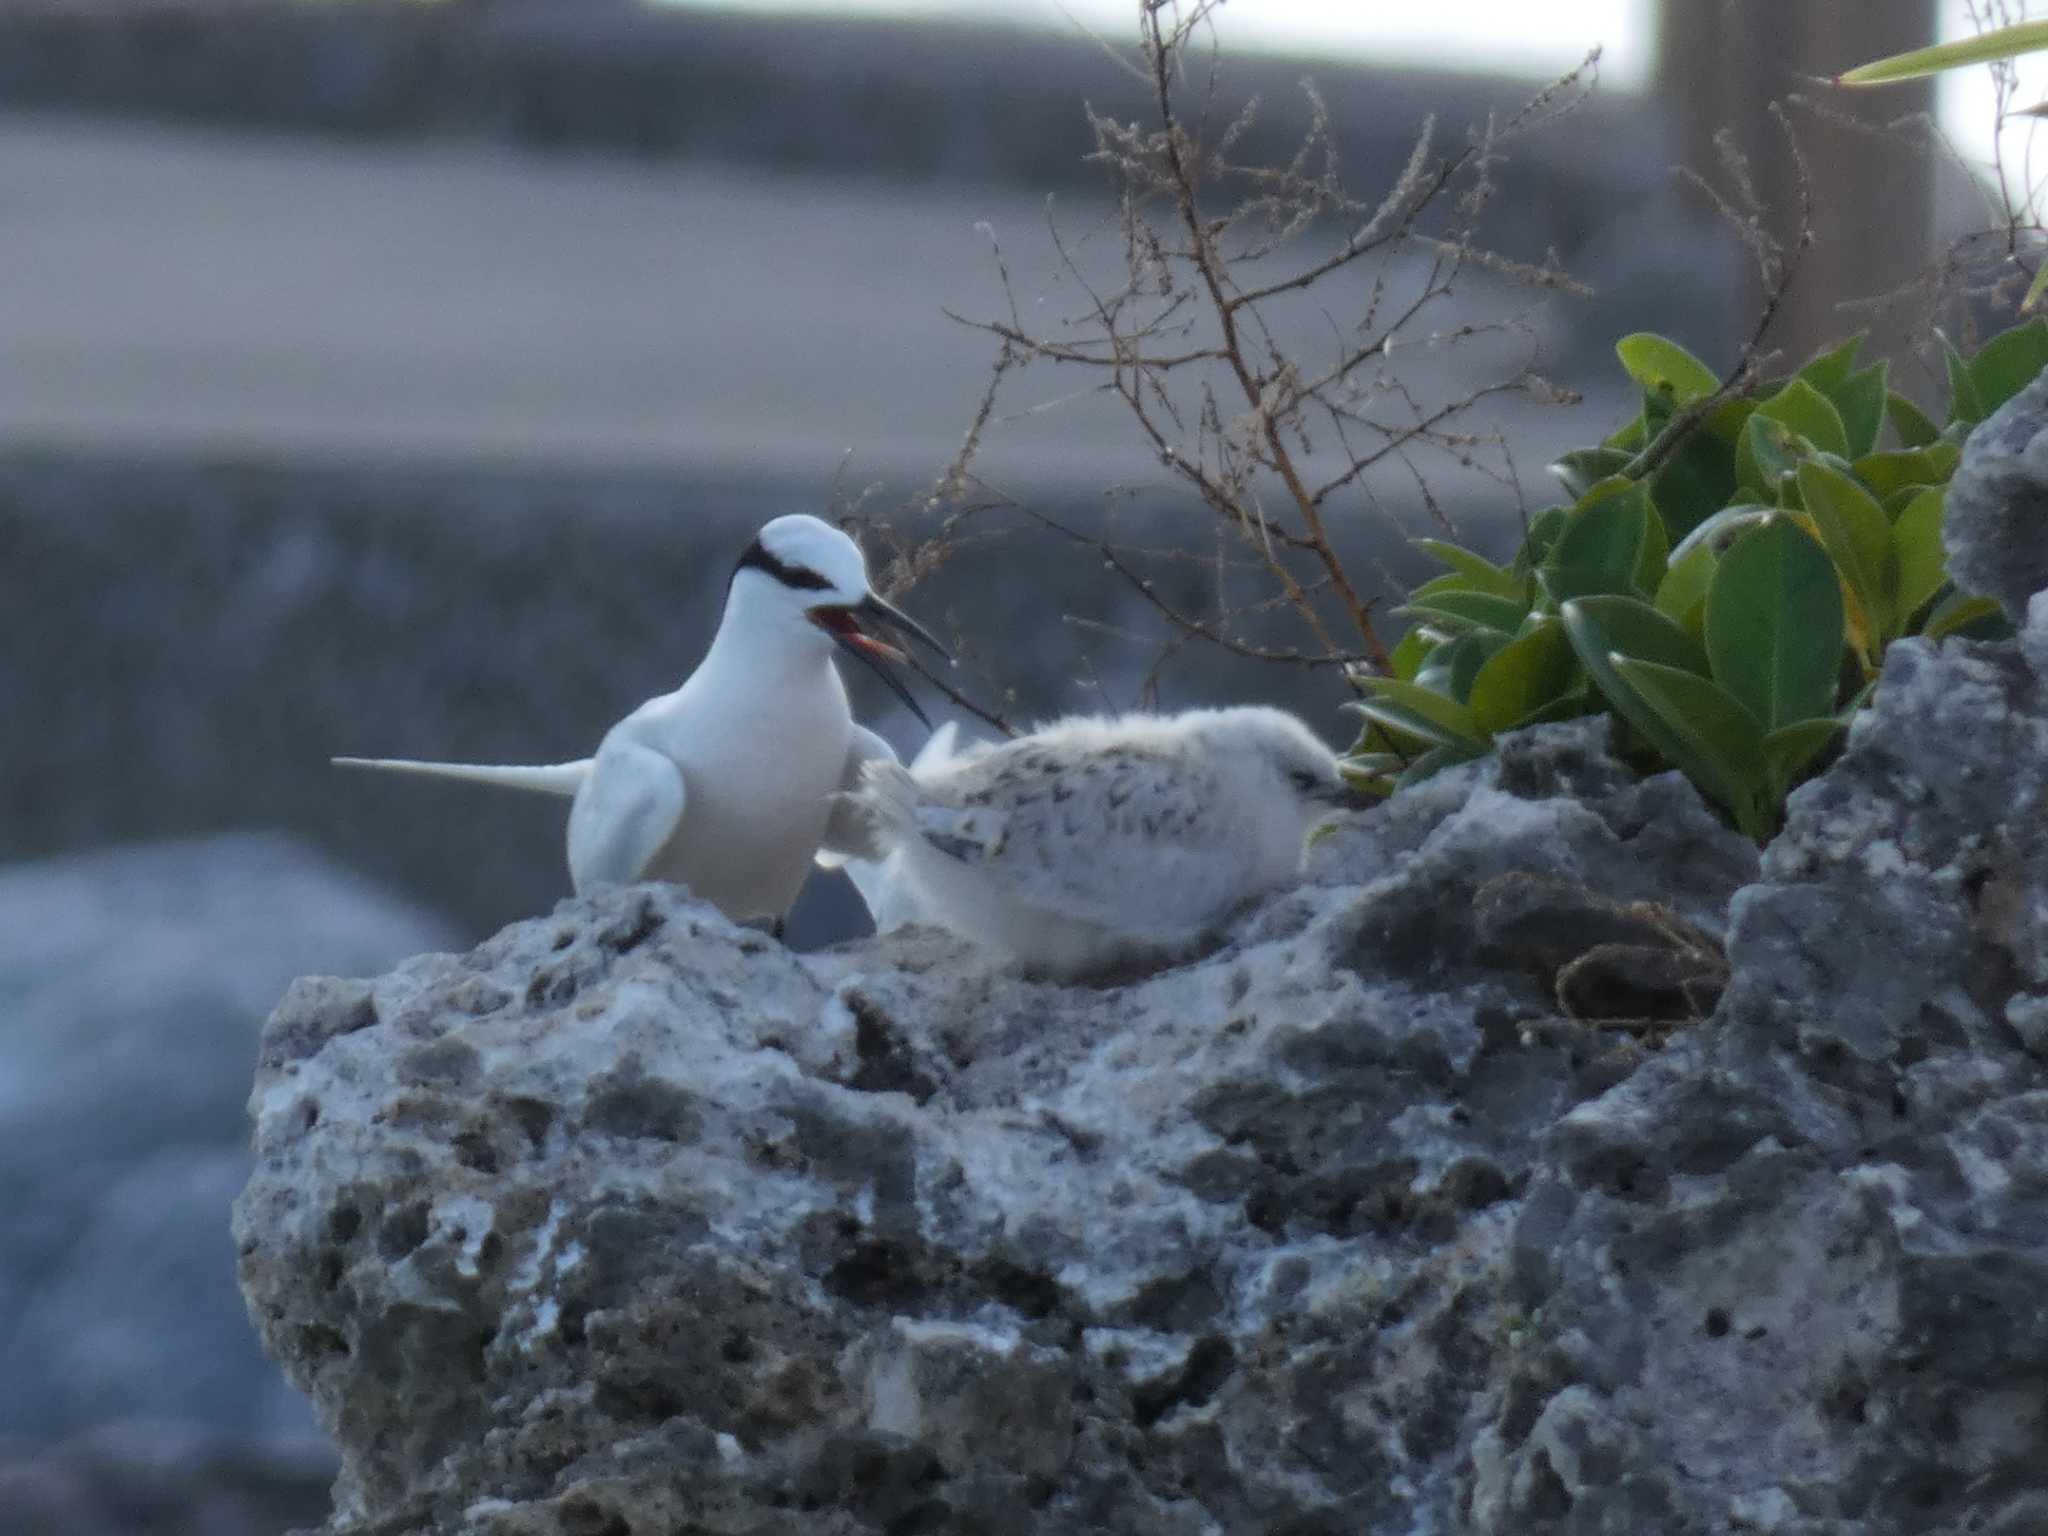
{"x": 1721, "y": 65}
{"x": 402, "y": 376}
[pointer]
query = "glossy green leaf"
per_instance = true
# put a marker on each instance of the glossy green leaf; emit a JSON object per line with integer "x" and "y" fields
{"x": 1682, "y": 596}
{"x": 1372, "y": 765}
{"x": 1860, "y": 401}
{"x": 1402, "y": 730}
{"x": 1601, "y": 547}
{"x": 1436, "y": 672}
{"x": 1526, "y": 675}
{"x": 1662, "y": 367}
{"x": 1827, "y": 370}
{"x": 1774, "y": 624}
{"x": 1630, "y": 436}
{"x": 1919, "y": 561}
{"x": 1583, "y": 468}
{"x": 1898, "y": 501}
{"x": 1435, "y": 761}
{"x": 1726, "y": 420}
{"x": 1436, "y": 586}
{"x": 1602, "y": 628}
{"x": 1983, "y": 48}
{"x": 1375, "y": 738}
{"x": 1655, "y": 551}
{"x": 1419, "y": 711}
{"x": 1963, "y": 404}
{"x": 1597, "y": 625}
{"x": 1960, "y": 613}
{"x": 1770, "y": 451}
{"x": 1721, "y": 530}
{"x": 1791, "y": 749}
{"x": 1539, "y": 539}
{"x": 1452, "y": 669}
{"x": 1809, "y": 413}
{"x": 1760, "y": 458}
{"x": 1481, "y": 573}
{"x": 2008, "y": 363}
{"x": 1579, "y": 699}
{"x": 1857, "y": 536}
{"x": 1693, "y": 484}
{"x": 1720, "y": 744}
{"x": 2031, "y": 300}
{"x": 1890, "y": 472}
{"x": 1459, "y": 611}
{"x": 1857, "y": 700}
{"x": 1410, "y": 653}
{"x": 1913, "y": 427}
{"x": 1834, "y": 461}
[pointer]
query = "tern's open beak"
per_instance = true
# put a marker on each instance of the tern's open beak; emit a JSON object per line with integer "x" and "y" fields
{"x": 853, "y": 625}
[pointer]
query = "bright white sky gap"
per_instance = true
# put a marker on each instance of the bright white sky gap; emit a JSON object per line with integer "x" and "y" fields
{"x": 1968, "y": 98}
{"x": 1540, "y": 36}
{"x": 1543, "y": 36}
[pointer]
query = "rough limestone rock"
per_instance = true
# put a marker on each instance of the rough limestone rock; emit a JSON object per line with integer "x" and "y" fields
{"x": 1996, "y": 518}
{"x": 630, "y": 1222}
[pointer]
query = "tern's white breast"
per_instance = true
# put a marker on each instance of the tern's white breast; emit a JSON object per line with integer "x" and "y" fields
{"x": 758, "y": 763}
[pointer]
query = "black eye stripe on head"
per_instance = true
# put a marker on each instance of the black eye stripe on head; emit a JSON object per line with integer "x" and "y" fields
{"x": 801, "y": 577}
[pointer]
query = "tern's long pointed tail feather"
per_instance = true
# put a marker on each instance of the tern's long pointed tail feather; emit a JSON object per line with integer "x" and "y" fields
{"x": 546, "y": 778}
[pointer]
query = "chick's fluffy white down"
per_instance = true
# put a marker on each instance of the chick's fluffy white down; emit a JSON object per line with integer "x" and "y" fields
{"x": 1100, "y": 840}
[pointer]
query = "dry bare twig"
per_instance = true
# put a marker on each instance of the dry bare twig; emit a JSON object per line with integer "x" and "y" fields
{"x": 1195, "y": 331}
{"x": 1778, "y": 266}
{"x": 1185, "y": 338}
{"x": 1985, "y": 270}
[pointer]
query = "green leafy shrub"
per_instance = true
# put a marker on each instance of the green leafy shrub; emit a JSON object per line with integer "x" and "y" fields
{"x": 1731, "y": 605}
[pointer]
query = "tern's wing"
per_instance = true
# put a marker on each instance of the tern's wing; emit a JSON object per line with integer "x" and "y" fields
{"x": 1125, "y": 839}
{"x": 626, "y": 811}
{"x": 548, "y": 778}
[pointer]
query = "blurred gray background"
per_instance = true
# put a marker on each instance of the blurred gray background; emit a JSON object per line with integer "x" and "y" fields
{"x": 402, "y": 379}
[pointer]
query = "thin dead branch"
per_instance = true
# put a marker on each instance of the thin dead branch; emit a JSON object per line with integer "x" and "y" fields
{"x": 1777, "y": 265}
{"x": 1194, "y": 327}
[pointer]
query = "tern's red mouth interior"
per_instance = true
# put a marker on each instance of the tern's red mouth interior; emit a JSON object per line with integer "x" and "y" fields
{"x": 843, "y": 626}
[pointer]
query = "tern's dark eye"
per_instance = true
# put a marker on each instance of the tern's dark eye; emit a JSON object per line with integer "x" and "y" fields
{"x": 1305, "y": 781}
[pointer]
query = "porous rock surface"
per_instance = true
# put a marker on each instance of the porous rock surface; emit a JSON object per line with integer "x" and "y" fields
{"x": 630, "y": 1222}
{"x": 1995, "y": 519}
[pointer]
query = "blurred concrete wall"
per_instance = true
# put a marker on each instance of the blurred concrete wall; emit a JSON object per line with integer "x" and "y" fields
{"x": 1869, "y": 174}
{"x": 905, "y": 102}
